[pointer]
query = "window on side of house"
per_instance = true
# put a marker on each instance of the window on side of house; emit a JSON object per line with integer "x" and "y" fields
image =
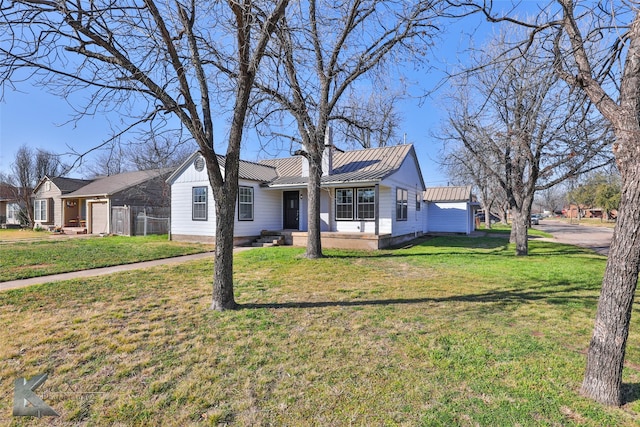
{"x": 199, "y": 204}
{"x": 366, "y": 206}
{"x": 418, "y": 201}
{"x": 401, "y": 204}
{"x": 245, "y": 204}
{"x": 344, "y": 204}
{"x": 40, "y": 210}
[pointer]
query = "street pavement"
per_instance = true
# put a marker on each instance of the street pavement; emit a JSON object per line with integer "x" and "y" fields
{"x": 596, "y": 238}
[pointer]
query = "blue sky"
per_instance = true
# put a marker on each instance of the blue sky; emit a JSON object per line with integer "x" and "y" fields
{"x": 31, "y": 116}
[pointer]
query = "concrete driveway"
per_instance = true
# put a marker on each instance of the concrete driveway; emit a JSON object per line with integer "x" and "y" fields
{"x": 596, "y": 238}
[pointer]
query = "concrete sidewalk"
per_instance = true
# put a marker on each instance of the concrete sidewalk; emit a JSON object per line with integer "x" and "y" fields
{"x": 15, "y": 284}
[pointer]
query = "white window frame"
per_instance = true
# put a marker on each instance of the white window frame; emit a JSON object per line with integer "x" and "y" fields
{"x": 245, "y": 200}
{"x": 402, "y": 204}
{"x": 347, "y": 204}
{"x": 371, "y": 204}
{"x": 199, "y": 203}
{"x": 40, "y": 210}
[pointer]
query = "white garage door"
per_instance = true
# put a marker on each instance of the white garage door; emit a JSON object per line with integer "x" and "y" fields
{"x": 99, "y": 218}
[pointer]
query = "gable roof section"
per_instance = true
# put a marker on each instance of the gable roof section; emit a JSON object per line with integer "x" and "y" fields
{"x": 448, "y": 194}
{"x": 248, "y": 170}
{"x": 112, "y": 184}
{"x": 366, "y": 165}
{"x": 65, "y": 185}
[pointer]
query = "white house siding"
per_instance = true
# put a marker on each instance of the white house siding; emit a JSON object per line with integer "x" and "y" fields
{"x": 386, "y": 209}
{"x": 182, "y": 223}
{"x": 407, "y": 178}
{"x": 449, "y": 217}
{"x": 327, "y": 197}
{"x": 267, "y": 211}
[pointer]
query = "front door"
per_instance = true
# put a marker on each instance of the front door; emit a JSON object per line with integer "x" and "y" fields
{"x": 291, "y": 210}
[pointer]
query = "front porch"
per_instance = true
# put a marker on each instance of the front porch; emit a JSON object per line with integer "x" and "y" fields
{"x": 342, "y": 240}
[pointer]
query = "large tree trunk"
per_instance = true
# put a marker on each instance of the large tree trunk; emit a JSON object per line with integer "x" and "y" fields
{"x": 603, "y": 377}
{"x": 223, "y": 298}
{"x": 314, "y": 243}
{"x": 519, "y": 226}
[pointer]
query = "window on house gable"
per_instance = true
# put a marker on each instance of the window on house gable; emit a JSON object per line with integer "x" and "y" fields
{"x": 245, "y": 204}
{"x": 344, "y": 203}
{"x": 40, "y": 210}
{"x": 199, "y": 204}
{"x": 401, "y": 204}
{"x": 366, "y": 207}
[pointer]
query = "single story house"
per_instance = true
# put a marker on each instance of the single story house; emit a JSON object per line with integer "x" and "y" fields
{"x": 83, "y": 206}
{"x": 449, "y": 210}
{"x": 49, "y": 211}
{"x": 370, "y": 198}
{"x": 10, "y": 204}
{"x": 142, "y": 189}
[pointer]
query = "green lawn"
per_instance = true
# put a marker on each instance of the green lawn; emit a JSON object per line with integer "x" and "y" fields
{"x": 450, "y": 331}
{"x": 23, "y": 259}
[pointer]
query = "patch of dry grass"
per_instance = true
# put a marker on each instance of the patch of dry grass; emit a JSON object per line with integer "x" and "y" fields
{"x": 422, "y": 336}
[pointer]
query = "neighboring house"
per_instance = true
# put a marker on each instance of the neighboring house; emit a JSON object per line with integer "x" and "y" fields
{"x": 90, "y": 206}
{"x": 49, "y": 211}
{"x": 86, "y": 205}
{"x": 450, "y": 210}
{"x": 370, "y": 198}
{"x": 10, "y": 204}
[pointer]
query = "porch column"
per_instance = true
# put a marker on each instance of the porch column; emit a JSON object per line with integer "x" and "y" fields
{"x": 376, "y": 208}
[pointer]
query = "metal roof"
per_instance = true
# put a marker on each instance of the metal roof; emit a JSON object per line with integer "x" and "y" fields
{"x": 112, "y": 184}
{"x": 248, "y": 170}
{"x": 448, "y": 194}
{"x": 366, "y": 165}
{"x": 255, "y": 171}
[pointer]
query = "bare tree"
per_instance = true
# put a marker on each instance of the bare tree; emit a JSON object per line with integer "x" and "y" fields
{"x": 153, "y": 61}
{"x": 159, "y": 151}
{"x": 48, "y": 164}
{"x": 462, "y": 168}
{"x": 29, "y": 167}
{"x": 112, "y": 159}
{"x": 596, "y": 49}
{"x": 528, "y": 131}
{"x": 366, "y": 122}
{"x": 164, "y": 150}
{"x": 322, "y": 48}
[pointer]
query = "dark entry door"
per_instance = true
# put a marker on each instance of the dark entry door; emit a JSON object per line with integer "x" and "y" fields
{"x": 291, "y": 210}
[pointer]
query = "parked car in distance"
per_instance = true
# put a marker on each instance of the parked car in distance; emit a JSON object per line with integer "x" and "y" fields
{"x": 535, "y": 219}
{"x": 492, "y": 217}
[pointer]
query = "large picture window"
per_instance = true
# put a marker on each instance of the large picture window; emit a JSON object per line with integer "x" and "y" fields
{"x": 401, "y": 204}
{"x": 362, "y": 207}
{"x": 344, "y": 203}
{"x": 366, "y": 207}
{"x": 245, "y": 204}
{"x": 40, "y": 210}
{"x": 199, "y": 203}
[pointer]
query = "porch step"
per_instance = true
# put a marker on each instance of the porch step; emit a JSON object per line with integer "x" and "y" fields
{"x": 266, "y": 241}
